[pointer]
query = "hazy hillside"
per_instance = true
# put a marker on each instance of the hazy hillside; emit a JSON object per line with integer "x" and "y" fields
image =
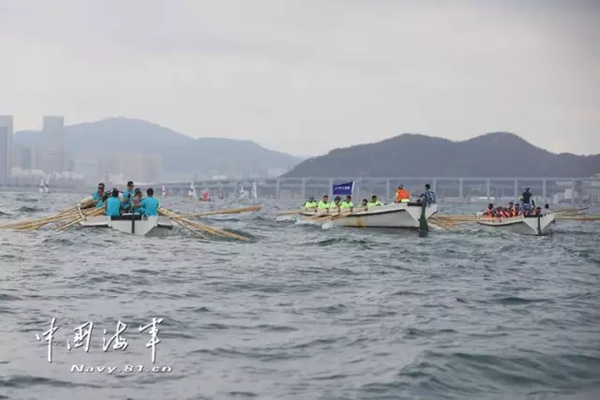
{"x": 181, "y": 155}
{"x": 494, "y": 155}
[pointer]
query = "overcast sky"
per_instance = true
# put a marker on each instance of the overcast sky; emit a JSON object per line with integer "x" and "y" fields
{"x": 307, "y": 76}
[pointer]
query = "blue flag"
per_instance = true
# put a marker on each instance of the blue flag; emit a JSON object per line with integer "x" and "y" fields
{"x": 343, "y": 189}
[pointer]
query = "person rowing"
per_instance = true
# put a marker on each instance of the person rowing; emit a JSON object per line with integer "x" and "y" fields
{"x": 113, "y": 204}
{"x": 150, "y": 204}
{"x": 324, "y": 204}
{"x": 374, "y": 202}
{"x": 127, "y": 196}
{"x": 99, "y": 196}
{"x": 347, "y": 204}
{"x": 310, "y": 203}
{"x": 337, "y": 203}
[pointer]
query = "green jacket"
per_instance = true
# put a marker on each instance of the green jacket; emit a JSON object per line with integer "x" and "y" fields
{"x": 323, "y": 206}
{"x": 347, "y": 204}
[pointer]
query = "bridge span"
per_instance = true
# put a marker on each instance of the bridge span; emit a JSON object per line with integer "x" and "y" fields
{"x": 574, "y": 190}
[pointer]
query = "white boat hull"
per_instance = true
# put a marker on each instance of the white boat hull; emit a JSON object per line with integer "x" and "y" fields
{"x": 521, "y": 225}
{"x": 394, "y": 215}
{"x": 141, "y": 226}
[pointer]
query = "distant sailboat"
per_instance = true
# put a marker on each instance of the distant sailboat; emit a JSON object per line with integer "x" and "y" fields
{"x": 164, "y": 191}
{"x": 42, "y": 186}
{"x": 243, "y": 193}
{"x": 192, "y": 191}
{"x": 254, "y": 191}
{"x": 47, "y": 186}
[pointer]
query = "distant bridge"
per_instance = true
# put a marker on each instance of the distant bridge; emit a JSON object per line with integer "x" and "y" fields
{"x": 445, "y": 187}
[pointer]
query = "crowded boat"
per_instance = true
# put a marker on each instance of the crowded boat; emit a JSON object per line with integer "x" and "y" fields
{"x": 526, "y": 208}
{"x": 339, "y": 204}
{"x": 131, "y": 201}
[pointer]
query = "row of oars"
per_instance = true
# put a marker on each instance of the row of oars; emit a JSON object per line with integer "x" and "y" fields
{"x": 201, "y": 229}
{"x": 72, "y": 213}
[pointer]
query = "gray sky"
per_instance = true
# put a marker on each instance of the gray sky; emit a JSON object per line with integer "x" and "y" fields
{"x": 307, "y": 76}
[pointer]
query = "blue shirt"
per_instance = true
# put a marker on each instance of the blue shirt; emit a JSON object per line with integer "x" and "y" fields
{"x": 428, "y": 197}
{"x": 113, "y": 207}
{"x": 126, "y": 199}
{"x": 150, "y": 205}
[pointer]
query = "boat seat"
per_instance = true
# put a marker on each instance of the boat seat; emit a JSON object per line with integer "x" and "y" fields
{"x": 127, "y": 217}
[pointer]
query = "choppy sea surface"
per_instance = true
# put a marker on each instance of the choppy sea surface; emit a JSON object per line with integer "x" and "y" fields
{"x": 300, "y": 312}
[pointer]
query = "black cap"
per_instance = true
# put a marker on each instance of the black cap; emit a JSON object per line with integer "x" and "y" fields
{"x": 130, "y": 183}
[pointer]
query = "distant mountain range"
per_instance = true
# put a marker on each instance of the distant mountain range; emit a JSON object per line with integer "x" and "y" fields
{"x": 497, "y": 154}
{"x": 182, "y": 155}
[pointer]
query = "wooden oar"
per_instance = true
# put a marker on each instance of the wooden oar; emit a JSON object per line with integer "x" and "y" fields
{"x": 187, "y": 222}
{"x": 292, "y": 212}
{"x": 578, "y": 218}
{"x": 571, "y": 210}
{"x": 340, "y": 214}
{"x": 443, "y": 224}
{"x": 220, "y": 212}
{"x": 91, "y": 213}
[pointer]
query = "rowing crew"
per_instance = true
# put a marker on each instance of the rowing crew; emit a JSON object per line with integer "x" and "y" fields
{"x": 132, "y": 201}
{"x": 514, "y": 210}
{"x": 402, "y": 196}
{"x": 338, "y": 204}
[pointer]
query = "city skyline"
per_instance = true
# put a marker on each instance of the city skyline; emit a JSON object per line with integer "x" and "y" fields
{"x": 304, "y": 83}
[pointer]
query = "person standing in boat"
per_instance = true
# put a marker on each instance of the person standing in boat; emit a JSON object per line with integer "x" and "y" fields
{"x": 150, "y": 204}
{"x": 324, "y": 204}
{"x": 402, "y": 195}
{"x": 113, "y": 204}
{"x": 527, "y": 202}
{"x": 310, "y": 203}
{"x": 428, "y": 196}
{"x": 347, "y": 204}
{"x": 127, "y": 197}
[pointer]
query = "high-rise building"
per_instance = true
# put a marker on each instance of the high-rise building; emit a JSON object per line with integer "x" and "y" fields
{"x": 53, "y": 157}
{"x": 6, "y": 136}
{"x": 4, "y": 152}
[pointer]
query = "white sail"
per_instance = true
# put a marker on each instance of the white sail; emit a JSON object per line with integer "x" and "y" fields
{"x": 47, "y": 186}
{"x": 164, "y": 191}
{"x": 254, "y": 191}
{"x": 42, "y": 186}
{"x": 192, "y": 191}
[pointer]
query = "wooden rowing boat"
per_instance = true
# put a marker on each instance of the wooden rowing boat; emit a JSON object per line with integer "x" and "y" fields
{"x": 394, "y": 215}
{"x": 538, "y": 226}
{"x": 134, "y": 224}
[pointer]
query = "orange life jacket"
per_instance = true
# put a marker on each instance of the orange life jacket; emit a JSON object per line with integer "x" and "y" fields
{"x": 402, "y": 194}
